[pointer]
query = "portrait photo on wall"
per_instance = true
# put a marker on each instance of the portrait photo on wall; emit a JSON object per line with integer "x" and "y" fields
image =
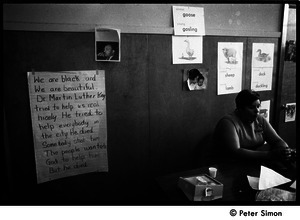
{"x": 108, "y": 51}
{"x": 107, "y": 44}
{"x": 194, "y": 79}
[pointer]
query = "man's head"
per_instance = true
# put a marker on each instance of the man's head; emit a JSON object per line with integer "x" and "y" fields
{"x": 108, "y": 51}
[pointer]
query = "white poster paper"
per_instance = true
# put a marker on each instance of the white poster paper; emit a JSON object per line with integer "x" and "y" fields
{"x": 265, "y": 109}
{"x": 230, "y": 63}
{"x": 186, "y": 50}
{"x": 188, "y": 20}
{"x": 262, "y": 66}
{"x": 261, "y": 78}
{"x": 68, "y": 111}
{"x": 262, "y": 54}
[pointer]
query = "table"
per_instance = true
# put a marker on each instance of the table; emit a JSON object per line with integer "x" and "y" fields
{"x": 233, "y": 176}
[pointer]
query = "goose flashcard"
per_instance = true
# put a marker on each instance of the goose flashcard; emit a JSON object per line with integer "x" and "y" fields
{"x": 187, "y": 50}
{"x": 188, "y": 20}
{"x": 230, "y": 66}
{"x": 107, "y": 44}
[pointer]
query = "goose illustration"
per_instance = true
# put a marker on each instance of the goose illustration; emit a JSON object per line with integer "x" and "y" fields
{"x": 188, "y": 50}
{"x": 262, "y": 56}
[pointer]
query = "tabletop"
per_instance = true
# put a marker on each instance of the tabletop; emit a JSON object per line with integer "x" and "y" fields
{"x": 233, "y": 176}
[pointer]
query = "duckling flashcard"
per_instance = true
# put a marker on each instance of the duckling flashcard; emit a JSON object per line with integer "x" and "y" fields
{"x": 187, "y": 50}
{"x": 262, "y": 54}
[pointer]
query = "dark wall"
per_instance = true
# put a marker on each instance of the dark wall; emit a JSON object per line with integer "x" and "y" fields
{"x": 153, "y": 126}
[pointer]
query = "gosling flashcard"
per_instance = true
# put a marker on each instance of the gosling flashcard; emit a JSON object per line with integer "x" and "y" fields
{"x": 187, "y": 49}
{"x": 262, "y": 54}
{"x": 230, "y": 63}
{"x": 107, "y": 44}
{"x": 188, "y": 20}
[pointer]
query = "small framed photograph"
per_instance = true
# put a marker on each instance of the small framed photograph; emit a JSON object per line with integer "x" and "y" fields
{"x": 194, "y": 79}
{"x": 290, "y": 112}
{"x": 107, "y": 44}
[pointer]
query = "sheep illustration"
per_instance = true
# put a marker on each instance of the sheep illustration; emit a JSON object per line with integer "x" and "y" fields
{"x": 230, "y": 55}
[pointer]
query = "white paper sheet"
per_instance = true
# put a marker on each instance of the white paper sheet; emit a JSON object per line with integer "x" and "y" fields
{"x": 187, "y": 50}
{"x": 268, "y": 179}
{"x": 188, "y": 20}
{"x": 293, "y": 185}
{"x": 265, "y": 109}
{"x": 230, "y": 63}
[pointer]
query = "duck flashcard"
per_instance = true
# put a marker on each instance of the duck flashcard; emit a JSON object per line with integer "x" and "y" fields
{"x": 186, "y": 49}
{"x": 262, "y": 66}
{"x": 262, "y": 54}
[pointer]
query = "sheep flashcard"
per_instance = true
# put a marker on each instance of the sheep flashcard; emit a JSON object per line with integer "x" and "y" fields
{"x": 230, "y": 63}
{"x": 186, "y": 50}
{"x": 230, "y": 55}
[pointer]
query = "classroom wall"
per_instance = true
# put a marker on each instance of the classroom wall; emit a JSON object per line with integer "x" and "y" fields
{"x": 153, "y": 126}
{"x": 262, "y": 20}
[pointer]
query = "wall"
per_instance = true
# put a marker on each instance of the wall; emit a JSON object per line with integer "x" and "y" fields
{"x": 153, "y": 126}
{"x": 262, "y": 20}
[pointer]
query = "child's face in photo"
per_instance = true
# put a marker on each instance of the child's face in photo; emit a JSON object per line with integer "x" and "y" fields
{"x": 200, "y": 83}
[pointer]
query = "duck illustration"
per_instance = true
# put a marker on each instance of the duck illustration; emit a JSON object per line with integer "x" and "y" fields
{"x": 262, "y": 56}
{"x": 188, "y": 50}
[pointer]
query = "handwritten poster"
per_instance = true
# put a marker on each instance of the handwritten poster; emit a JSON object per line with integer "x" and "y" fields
{"x": 68, "y": 111}
{"x": 262, "y": 66}
{"x": 187, "y": 49}
{"x": 188, "y": 20}
{"x": 230, "y": 62}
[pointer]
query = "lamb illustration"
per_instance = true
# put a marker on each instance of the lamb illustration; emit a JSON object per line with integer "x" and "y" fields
{"x": 230, "y": 54}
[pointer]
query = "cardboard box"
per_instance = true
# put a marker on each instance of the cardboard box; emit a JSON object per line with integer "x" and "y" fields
{"x": 201, "y": 187}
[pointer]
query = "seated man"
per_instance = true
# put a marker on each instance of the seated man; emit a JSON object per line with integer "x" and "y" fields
{"x": 244, "y": 135}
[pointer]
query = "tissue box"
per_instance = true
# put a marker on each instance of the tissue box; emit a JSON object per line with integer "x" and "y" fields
{"x": 201, "y": 187}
